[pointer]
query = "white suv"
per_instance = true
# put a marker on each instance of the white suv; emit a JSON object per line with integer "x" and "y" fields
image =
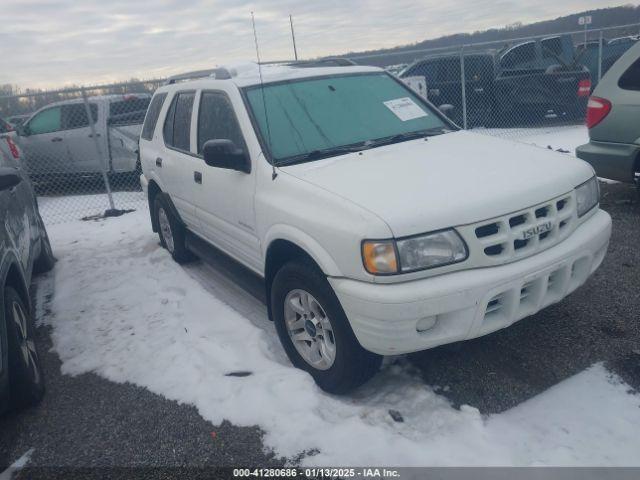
{"x": 379, "y": 227}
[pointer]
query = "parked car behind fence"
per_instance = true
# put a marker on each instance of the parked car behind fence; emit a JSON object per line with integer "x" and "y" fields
{"x": 59, "y": 143}
{"x": 531, "y": 80}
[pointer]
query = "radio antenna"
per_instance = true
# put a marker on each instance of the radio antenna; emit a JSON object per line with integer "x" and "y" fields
{"x": 274, "y": 173}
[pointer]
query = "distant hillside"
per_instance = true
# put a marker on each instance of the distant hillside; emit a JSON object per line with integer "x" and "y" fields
{"x": 604, "y": 17}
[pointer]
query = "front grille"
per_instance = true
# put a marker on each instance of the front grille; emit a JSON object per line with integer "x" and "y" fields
{"x": 521, "y": 233}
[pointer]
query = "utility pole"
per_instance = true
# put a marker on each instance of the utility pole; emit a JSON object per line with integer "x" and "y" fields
{"x": 293, "y": 37}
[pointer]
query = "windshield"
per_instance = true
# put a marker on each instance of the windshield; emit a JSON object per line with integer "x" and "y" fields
{"x": 319, "y": 117}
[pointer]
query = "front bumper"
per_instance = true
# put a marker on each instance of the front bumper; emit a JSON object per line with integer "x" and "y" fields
{"x": 470, "y": 303}
{"x": 615, "y": 161}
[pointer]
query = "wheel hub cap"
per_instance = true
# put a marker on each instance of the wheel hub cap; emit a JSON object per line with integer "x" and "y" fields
{"x": 165, "y": 228}
{"x": 310, "y": 329}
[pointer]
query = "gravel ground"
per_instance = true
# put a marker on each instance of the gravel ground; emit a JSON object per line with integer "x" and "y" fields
{"x": 88, "y": 421}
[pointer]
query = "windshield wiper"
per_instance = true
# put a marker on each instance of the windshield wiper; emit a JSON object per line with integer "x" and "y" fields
{"x": 357, "y": 147}
{"x": 322, "y": 153}
{"x": 403, "y": 137}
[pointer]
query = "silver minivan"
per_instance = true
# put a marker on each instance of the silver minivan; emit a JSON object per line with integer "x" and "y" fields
{"x": 613, "y": 119}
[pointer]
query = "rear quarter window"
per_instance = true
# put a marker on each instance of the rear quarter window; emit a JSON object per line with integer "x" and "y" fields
{"x": 128, "y": 104}
{"x": 153, "y": 113}
{"x": 630, "y": 79}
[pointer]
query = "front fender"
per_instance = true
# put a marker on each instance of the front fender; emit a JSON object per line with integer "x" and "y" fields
{"x": 307, "y": 243}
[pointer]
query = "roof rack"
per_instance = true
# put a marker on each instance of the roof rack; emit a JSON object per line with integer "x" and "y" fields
{"x": 322, "y": 62}
{"x": 223, "y": 73}
{"x": 219, "y": 73}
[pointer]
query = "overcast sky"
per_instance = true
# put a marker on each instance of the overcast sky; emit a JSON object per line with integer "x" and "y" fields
{"x": 54, "y": 43}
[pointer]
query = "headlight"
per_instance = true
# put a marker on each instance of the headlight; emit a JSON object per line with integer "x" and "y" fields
{"x": 414, "y": 253}
{"x": 431, "y": 250}
{"x": 587, "y": 195}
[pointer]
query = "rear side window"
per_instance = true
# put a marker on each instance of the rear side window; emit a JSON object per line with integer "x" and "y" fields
{"x": 630, "y": 80}
{"x": 151, "y": 119}
{"x": 177, "y": 126}
{"x": 519, "y": 56}
{"x": 75, "y": 115}
{"x": 217, "y": 120}
{"x": 551, "y": 47}
{"x": 129, "y": 104}
{"x": 427, "y": 69}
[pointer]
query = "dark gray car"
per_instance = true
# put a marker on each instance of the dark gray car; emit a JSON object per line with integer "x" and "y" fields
{"x": 24, "y": 250}
{"x": 613, "y": 118}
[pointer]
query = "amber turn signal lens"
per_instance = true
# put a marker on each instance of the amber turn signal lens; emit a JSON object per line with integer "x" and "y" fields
{"x": 379, "y": 257}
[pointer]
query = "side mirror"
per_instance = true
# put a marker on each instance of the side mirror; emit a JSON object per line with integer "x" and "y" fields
{"x": 9, "y": 178}
{"x": 23, "y": 130}
{"x": 223, "y": 153}
{"x": 447, "y": 109}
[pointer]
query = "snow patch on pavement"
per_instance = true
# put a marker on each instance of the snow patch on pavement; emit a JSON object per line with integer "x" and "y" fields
{"x": 124, "y": 310}
{"x": 19, "y": 464}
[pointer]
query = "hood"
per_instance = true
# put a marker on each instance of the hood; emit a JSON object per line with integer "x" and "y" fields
{"x": 447, "y": 180}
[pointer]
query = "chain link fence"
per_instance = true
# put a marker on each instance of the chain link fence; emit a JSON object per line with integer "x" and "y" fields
{"x": 80, "y": 145}
{"x": 510, "y": 87}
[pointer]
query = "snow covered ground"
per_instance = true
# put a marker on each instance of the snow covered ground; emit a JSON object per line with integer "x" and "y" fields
{"x": 124, "y": 310}
{"x": 61, "y": 209}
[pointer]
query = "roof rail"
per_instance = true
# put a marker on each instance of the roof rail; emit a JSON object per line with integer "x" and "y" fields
{"x": 219, "y": 73}
{"x": 321, "y": 62}
{"x": 324, "y": 62}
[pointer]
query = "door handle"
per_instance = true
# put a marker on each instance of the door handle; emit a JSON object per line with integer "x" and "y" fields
{"x": 56, "y": 139}
{"x": 159, "y": 162}
{"x": 197, "y": 177}
{"x": 91, "y": 135}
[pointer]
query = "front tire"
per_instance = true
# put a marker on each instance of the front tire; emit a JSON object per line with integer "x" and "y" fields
{"x": 26, "y": 380}
{"x": 315, "y": 331}
{"x": 171, "y": 231}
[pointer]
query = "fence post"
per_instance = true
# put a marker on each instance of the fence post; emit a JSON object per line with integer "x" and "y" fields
{"x": 600, "y": 57}
{"x": 464, "y": 89}
{"x": 104, "y": 161}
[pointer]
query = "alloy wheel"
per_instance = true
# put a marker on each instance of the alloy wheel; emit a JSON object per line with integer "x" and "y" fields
{"x": 26, "y": 345}
{"x": 310, "y": 329}
{"x": 165, "y": 229}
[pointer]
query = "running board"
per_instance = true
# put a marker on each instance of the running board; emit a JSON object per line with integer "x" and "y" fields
{"x": 245, "y": 278}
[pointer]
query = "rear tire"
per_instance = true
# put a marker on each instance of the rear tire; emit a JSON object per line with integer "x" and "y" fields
{"x": 171, "y": 231}
{"x": 346, "y": 364}
{"x": 26, "y": 380}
